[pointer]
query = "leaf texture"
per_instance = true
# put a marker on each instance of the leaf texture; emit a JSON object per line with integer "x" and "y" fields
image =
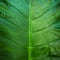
{"x": 29, "y": 29}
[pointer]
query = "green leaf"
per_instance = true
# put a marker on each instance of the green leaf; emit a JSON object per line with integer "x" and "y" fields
{"x": 29, "y": 29}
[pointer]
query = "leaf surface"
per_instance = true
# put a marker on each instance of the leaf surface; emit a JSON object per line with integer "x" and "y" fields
{"x": 29, "y": 29}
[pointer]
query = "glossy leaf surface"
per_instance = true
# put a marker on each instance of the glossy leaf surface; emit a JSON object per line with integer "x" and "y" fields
{"x": 29, "y": 29}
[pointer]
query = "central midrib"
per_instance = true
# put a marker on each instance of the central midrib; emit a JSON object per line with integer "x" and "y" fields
{"x": 29, "y": 47}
